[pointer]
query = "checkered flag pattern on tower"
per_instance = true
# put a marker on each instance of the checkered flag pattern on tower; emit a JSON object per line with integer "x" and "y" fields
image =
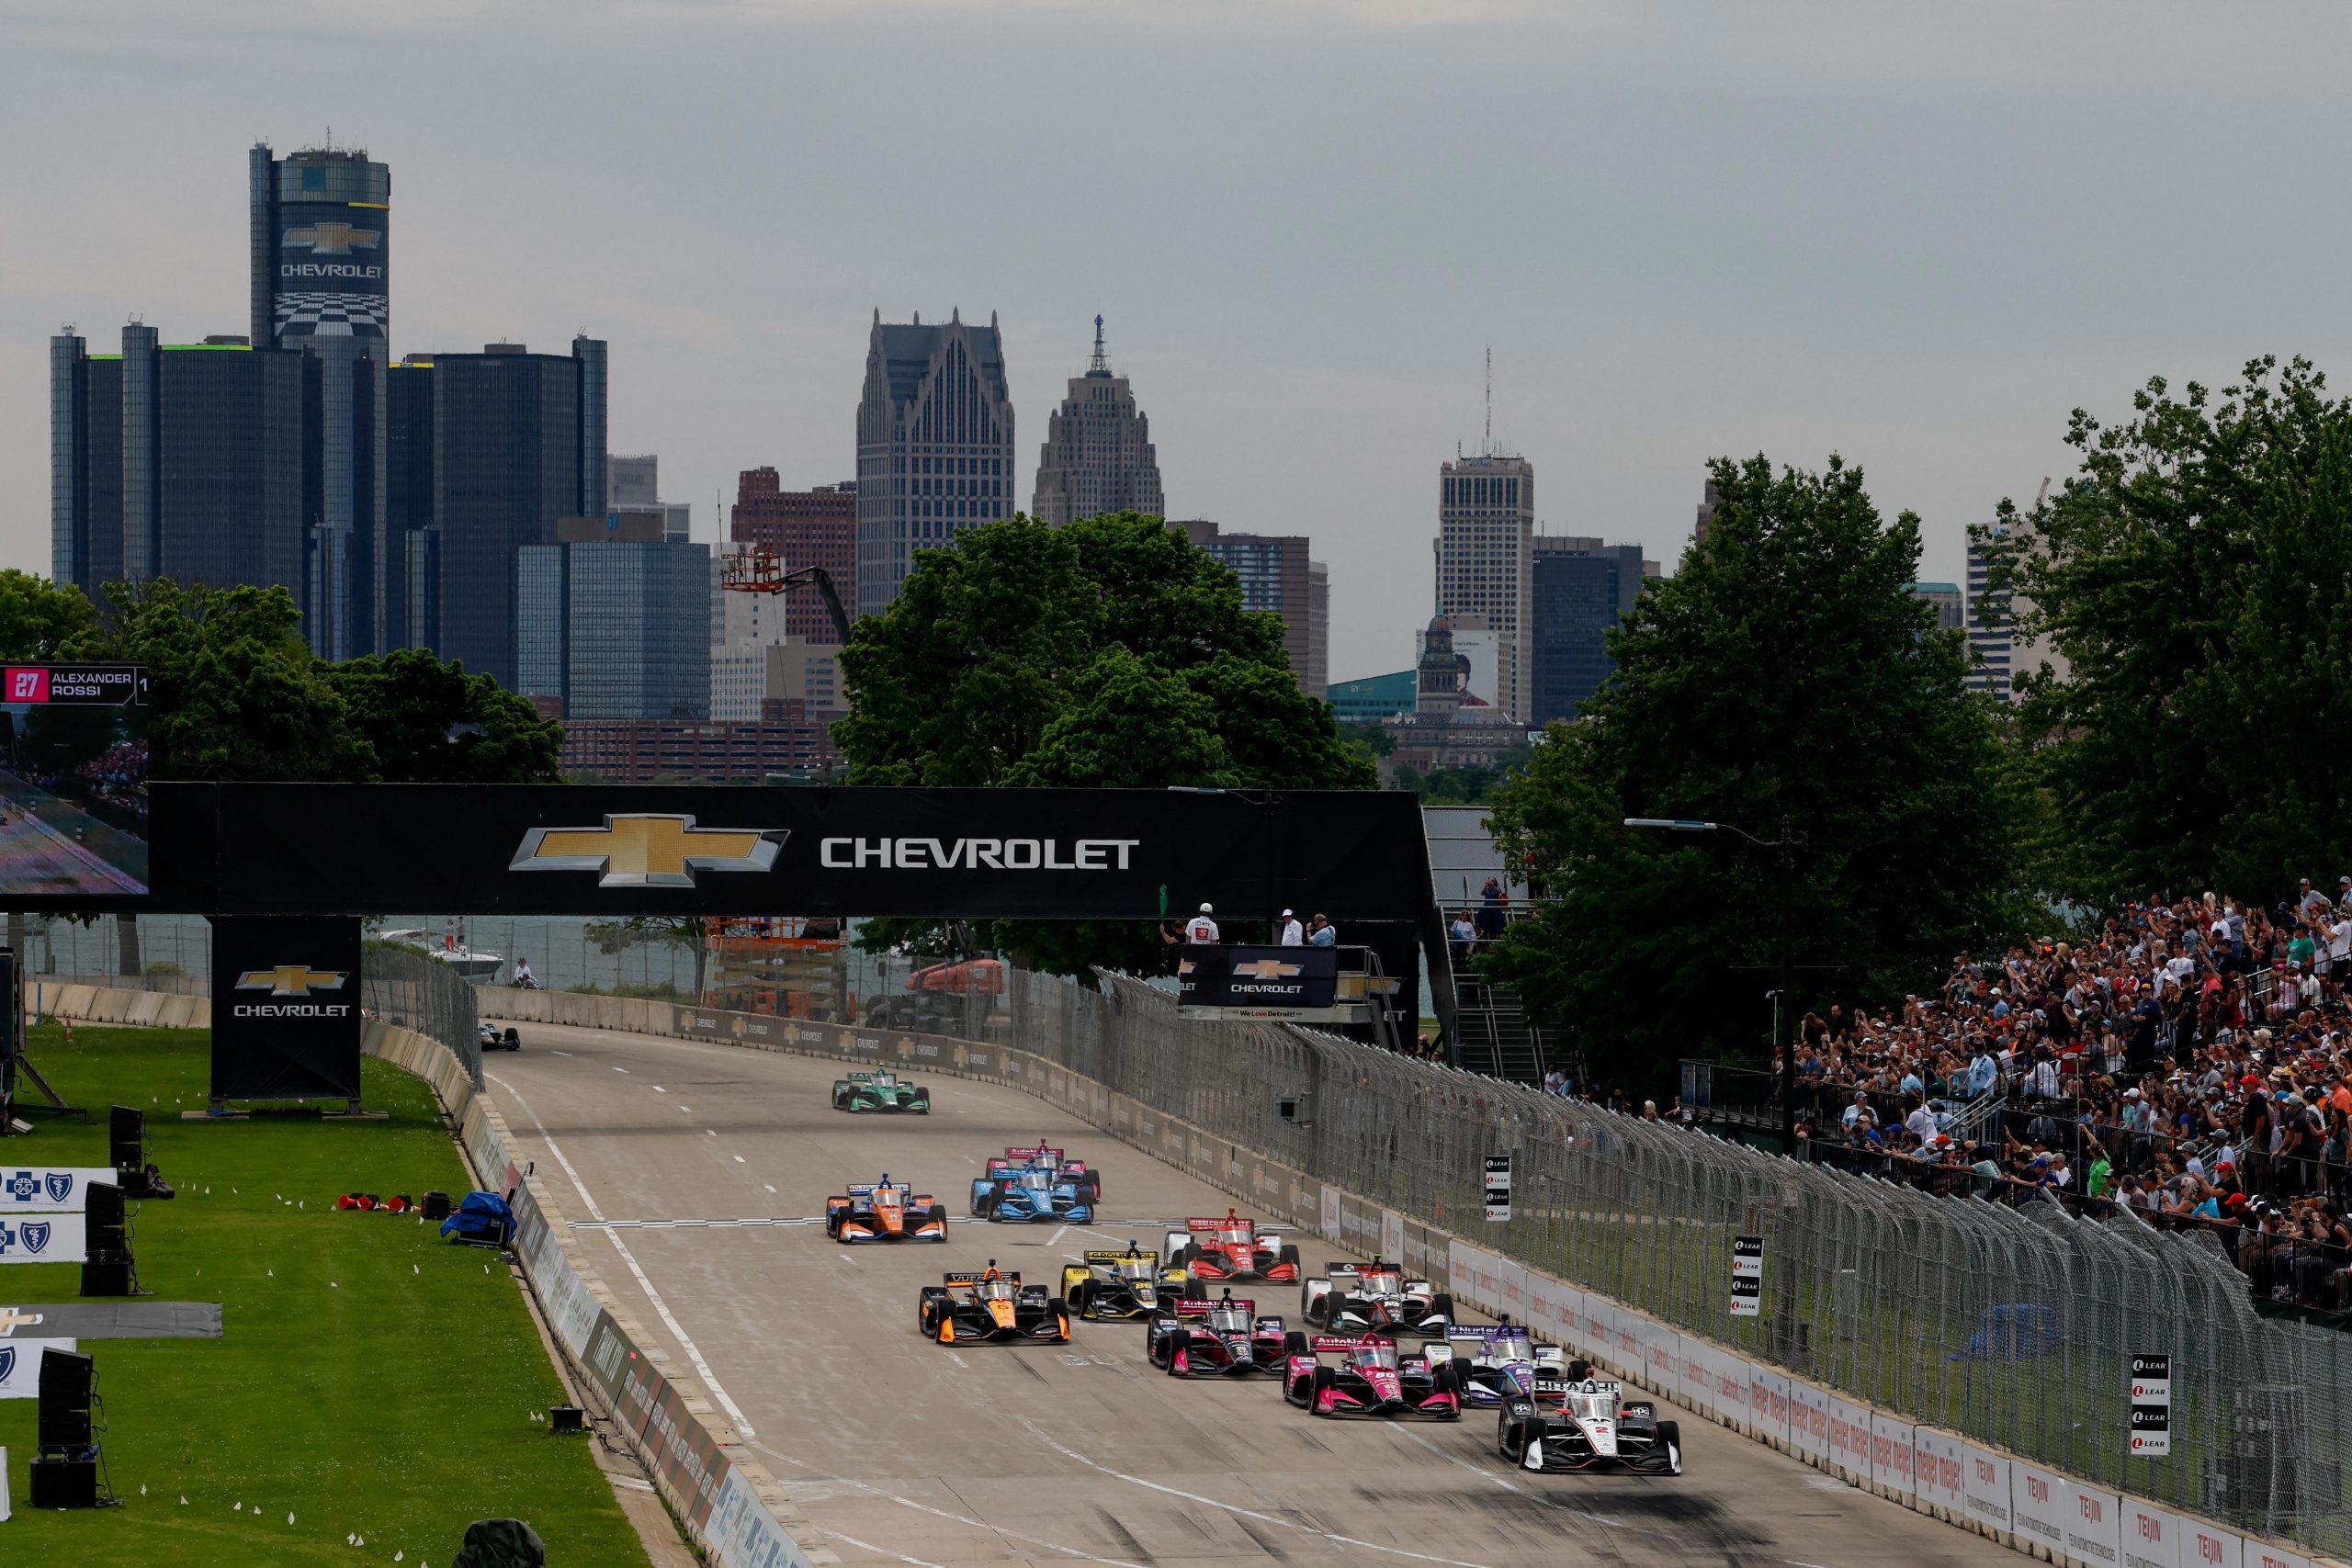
{"x": 331, "y": 315}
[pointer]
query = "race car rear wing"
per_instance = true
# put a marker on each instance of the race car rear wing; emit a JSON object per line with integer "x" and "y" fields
{"x": 1323, "y": 1342}
{"x": 974, "y": 1276}
{"x": 1199, "y": 1226}
{"x": 1197, "y": 1306}
{"x": 1038, "y": 1152}
{"x": 1112, "y": 1255}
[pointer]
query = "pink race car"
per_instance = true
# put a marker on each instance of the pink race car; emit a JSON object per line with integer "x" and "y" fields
{"x": 1367, "y": 1377}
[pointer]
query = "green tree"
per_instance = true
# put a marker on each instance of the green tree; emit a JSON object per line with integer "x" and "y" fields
{"x": 1109, "y": 653}
{"x": 1784, "y": 673}
{"x": 2196, "y": 576}
{"x": 431, "y": 722}
{"x": 234, "y": 693}
{"x": 40, "y": 621}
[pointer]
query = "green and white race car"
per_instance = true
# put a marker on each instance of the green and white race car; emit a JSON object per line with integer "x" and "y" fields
{"x": 880, "y": 1091}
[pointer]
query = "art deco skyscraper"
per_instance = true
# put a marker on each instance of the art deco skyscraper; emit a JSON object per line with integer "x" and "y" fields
{"x": 934, "y": 446}
{"x": 1098, "y": 455}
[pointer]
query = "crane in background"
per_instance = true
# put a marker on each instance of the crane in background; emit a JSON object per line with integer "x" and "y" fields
{"x": 760, "y": 570}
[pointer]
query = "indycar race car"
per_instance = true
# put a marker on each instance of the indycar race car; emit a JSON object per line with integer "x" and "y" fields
{"x": 967, "y": 1306}
{"x": 1111, "y": 1285}
{"x": 1495, "y": 1364}
{"x": 493, "y": 1038}
{"x": 1580, "y": 1422}
{"x": 1193, "y": 1338}
{"x": 1033, "y": 1193}
{"x": 1037, "y": 1156}
{"x": 884, "y": 1210}
{"x": 880, "y": 1091}
{"x": 1376, "y": 1297}
{"x": 1231, "y": 1249}
{"x": 1369, "y": 1379}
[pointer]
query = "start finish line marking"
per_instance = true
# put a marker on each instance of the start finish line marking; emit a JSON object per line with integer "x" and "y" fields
{"x": 695, "y": 1225}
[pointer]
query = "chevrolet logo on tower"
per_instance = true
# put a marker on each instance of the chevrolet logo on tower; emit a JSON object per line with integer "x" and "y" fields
{"x": 647, "y": 849}
{"x": 285, "y": 1020}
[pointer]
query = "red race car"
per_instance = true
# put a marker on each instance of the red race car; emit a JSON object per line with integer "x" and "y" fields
{"x": 1232, "y": 1248}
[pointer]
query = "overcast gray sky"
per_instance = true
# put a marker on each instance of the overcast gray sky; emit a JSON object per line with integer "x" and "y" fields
{"x": 1914, "y": 233}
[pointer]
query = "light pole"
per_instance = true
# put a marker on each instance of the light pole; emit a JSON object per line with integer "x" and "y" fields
{"x": 1785, "y": 847}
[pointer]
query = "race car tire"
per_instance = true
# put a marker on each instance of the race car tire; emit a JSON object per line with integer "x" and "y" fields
{"x": 1196, "y": 1291}
{"x": 1442, "y": 1305}
{"x": 1289, "y": 1254}
{"x": 1324, "y": 1378}
{"x": 1180, "y": 1357}
{"x": 1669, "y": 1438}
{"x": 1318, "y": 1311}
{"x": 1075, "y": 1294}
{"x": 991, "y": 1206}
{"x": 1295, "y": 1343}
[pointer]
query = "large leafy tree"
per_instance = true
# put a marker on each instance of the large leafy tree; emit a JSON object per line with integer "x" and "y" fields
{"x": 2195, "y": 577}
{"x": 1785, "y": 674}
{"x": 1111, "y": 653}
{"x": 236, "y": 694}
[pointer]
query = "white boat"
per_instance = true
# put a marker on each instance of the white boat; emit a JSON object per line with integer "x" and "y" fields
{"x": 476, "y": 968}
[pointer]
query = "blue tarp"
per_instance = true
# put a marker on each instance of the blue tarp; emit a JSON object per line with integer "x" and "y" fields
{"x": 483, "y": 1216}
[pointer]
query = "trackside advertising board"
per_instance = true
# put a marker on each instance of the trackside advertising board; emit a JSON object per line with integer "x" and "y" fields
{"x": 285, "y": 1008}
{"x": 20, "y": 1365}
{"x": 43, "y": 1238}
{"x": 48, "y": 1189}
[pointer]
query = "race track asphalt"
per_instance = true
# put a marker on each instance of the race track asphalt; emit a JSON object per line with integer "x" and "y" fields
{"x": 902, "y": 1450}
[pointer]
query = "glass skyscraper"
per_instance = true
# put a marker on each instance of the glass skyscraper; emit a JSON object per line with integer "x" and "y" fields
{"x": 321, "y": 236}
{"x": 619, "y": 628}
{"x": 181, "y": 460}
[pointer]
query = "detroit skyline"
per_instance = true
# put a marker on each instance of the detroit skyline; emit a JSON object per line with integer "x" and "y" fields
{"x": 1918, "y": 242}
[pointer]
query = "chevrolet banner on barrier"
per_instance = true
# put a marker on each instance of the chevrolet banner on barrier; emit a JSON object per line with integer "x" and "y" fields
{"x": 1266, "y": 982}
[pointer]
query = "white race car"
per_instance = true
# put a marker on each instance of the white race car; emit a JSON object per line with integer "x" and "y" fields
{"x": 1376, "y": 1298}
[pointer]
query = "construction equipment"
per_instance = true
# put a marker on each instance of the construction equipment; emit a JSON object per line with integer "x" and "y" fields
{"x": 760, "y": 570}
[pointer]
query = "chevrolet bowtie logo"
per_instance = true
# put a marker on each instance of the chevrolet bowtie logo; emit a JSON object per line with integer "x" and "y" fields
{"x": 1266, "y": 969}
{"x": 332, "y": 239}
{"x": 647, "y": 849}
{"x": 290, "y": 980}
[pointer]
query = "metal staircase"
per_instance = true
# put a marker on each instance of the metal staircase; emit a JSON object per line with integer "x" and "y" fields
{"x": 1492, "y": 1034}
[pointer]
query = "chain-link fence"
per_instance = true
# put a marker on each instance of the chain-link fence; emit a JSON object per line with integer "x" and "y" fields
{"x": 2012, "y": 1325}
{"x": 410, "y": 990}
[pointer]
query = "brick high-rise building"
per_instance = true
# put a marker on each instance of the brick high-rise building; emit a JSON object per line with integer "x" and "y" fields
{"x": 806, "y": 527}
{"x": 1277, "y": 576}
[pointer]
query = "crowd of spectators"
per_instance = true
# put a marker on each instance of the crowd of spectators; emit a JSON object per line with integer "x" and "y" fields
{"x": 2191, "y": 1061}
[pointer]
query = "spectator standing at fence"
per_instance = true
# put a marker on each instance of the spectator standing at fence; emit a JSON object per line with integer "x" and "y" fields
{"x": 1462, "y": 934}
{"x": 1294, "y": 934}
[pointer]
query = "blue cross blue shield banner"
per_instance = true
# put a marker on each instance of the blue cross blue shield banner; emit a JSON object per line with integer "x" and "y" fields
{"x": 43, "y": 1238}
{"x": 57, "y": 1190}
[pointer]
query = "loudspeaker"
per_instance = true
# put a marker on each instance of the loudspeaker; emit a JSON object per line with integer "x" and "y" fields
{"x": 108, "y": 1232}
{"x": 65, "y": 1484}
{"x": 63, "y": 1420}
{"x": 108, "y": 1277}
{"x": 567, "y": 1419}
{"x": 436, "y": 1205}
{"x": 126, "y": 1137}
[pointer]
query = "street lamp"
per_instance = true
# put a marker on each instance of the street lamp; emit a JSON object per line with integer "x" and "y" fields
{"x": 1786, "y": 846}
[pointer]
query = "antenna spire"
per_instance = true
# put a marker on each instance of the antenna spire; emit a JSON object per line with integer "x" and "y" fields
{"x": 1098, "y": 366}
{"x": 1487, "y": 448}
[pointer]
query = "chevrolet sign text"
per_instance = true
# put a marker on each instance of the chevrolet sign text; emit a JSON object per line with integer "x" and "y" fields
{"x": 997, "y": 854}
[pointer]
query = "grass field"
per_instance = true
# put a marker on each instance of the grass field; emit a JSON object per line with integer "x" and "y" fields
{"x": 371, "y": 1380}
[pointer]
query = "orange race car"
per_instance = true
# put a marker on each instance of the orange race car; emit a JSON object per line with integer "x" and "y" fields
{"x": 884, "y": 1210}
{"x": 966, "y": 1307}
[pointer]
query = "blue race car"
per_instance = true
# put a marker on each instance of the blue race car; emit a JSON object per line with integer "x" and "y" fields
{"x": 1033, "y": 1195}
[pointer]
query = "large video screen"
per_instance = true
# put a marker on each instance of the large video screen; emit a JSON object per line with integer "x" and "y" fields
{"x": 74, "y": 780}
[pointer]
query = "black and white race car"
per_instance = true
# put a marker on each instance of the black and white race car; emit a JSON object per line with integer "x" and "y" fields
{"x": 1567, "y": 1423}
{"x": 1376, "y": 1298}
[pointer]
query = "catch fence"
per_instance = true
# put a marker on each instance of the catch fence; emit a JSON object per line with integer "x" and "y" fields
{"x": 2012, "y": 1326}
